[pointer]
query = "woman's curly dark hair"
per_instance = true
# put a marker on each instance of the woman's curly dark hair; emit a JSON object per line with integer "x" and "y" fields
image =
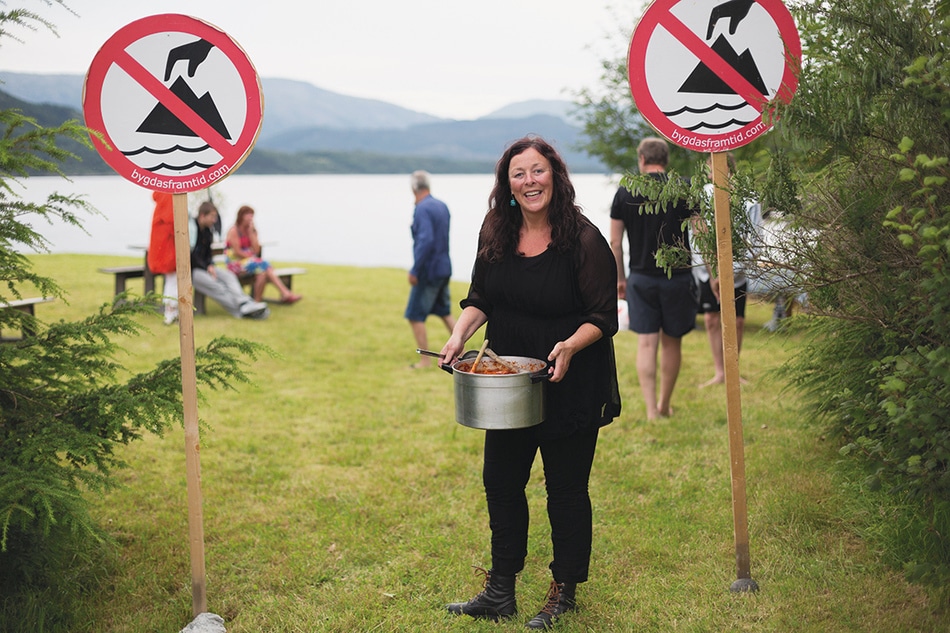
{"x": 501, "y": 228}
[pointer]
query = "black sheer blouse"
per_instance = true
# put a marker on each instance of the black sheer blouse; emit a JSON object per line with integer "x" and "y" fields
{"x": 534, "y": 302}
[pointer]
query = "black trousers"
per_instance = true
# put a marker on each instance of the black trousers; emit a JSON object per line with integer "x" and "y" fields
{"x": 509, "y": 455}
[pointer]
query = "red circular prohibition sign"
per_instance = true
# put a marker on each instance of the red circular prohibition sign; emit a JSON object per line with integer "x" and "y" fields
{"x": 659, "y": 16}
{"x": 115, "y": 52}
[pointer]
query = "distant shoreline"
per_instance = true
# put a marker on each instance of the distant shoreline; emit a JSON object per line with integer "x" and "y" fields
{"x": 263, "y": 162}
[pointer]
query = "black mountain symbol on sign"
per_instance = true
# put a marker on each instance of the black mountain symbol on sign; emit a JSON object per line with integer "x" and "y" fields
{"x": 161, "y": 121}
{"x": 702, "y": 79}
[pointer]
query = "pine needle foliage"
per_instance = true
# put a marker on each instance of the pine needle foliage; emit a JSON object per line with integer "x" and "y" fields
{"x": 67, "y": 404}
{"x": 65, "y": 413}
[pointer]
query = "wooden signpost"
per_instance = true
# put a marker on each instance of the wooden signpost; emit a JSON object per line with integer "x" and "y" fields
{"x": 161, "y": 135}
{"x": 704, "y": 75}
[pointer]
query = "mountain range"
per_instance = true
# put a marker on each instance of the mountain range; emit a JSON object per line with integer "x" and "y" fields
{"x": 307, "y": 129}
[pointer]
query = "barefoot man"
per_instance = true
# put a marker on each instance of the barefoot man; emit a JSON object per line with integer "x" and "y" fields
{"x": 662, "y": 309}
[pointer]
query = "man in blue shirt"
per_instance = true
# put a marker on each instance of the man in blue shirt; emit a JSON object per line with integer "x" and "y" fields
{"x": 432, "y": 268}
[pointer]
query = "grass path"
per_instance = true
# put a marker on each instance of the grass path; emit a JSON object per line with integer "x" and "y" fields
{"x": 340, "y": 495}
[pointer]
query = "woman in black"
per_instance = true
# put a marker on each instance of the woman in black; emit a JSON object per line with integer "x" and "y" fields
{"x": 545, "y": 282}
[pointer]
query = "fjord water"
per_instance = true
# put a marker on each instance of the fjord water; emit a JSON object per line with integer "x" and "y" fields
{"x": 356, "y": 220}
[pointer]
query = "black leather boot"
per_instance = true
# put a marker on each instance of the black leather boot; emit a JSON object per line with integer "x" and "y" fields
{"x": 560, "y": 600}
{"x": 497, "y": 600}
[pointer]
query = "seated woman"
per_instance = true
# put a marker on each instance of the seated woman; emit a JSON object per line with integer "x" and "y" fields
{"x": 243, "y": 253}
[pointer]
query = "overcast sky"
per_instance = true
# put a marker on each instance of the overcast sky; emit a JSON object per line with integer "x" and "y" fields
{"x": 452, "y": 59}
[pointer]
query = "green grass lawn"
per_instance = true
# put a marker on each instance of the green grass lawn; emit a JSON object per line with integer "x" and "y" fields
{"x": 340, "y": 495}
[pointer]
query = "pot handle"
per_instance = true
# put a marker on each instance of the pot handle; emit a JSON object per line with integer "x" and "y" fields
{"x": 472, "y": 353}
{"x": 425, "y": 352}
{"x": 542, "y": 374}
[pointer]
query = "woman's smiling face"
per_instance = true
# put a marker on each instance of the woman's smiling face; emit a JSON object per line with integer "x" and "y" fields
{"x": 531, "y": 180}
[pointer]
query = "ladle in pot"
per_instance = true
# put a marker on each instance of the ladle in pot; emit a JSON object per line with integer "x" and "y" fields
{"x": 491, "y": 354}
{"x": 501, "y": 361}
{"x": 481, "y": 352}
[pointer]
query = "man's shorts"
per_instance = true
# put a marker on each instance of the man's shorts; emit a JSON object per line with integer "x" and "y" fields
{"x": 708, "y": 303}
{"x": 656, "y": 303}
{"x": 429, "y": 297}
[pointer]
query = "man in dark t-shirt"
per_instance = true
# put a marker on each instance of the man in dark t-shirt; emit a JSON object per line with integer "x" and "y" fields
{"x": 662, "y": 308}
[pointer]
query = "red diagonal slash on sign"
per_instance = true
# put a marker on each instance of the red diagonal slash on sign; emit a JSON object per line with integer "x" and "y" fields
{"x": 174, "y": 104}
{"x": 711, "y": 58}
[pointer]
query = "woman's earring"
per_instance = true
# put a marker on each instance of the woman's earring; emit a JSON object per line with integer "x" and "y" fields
{"x": 513, "y": 203}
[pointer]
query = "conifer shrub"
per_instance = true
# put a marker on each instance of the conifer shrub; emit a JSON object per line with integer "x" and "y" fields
{"x": 67, "y": 405}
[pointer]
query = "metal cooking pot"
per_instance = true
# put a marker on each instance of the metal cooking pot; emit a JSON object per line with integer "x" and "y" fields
{"x": 499, "y": 400}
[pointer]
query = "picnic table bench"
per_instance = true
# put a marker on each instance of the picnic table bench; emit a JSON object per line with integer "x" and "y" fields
{"x": 286, "y": 275}
{"x": 27, "y": 306}
{"x": 124, "y": 273}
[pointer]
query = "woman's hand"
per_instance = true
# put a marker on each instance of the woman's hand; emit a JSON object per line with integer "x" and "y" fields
{"x": 451, "y": 351}
{"x": 560, "y": 357}
{"x": 470, "y": 320}
{"x": 564, "y": 351}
